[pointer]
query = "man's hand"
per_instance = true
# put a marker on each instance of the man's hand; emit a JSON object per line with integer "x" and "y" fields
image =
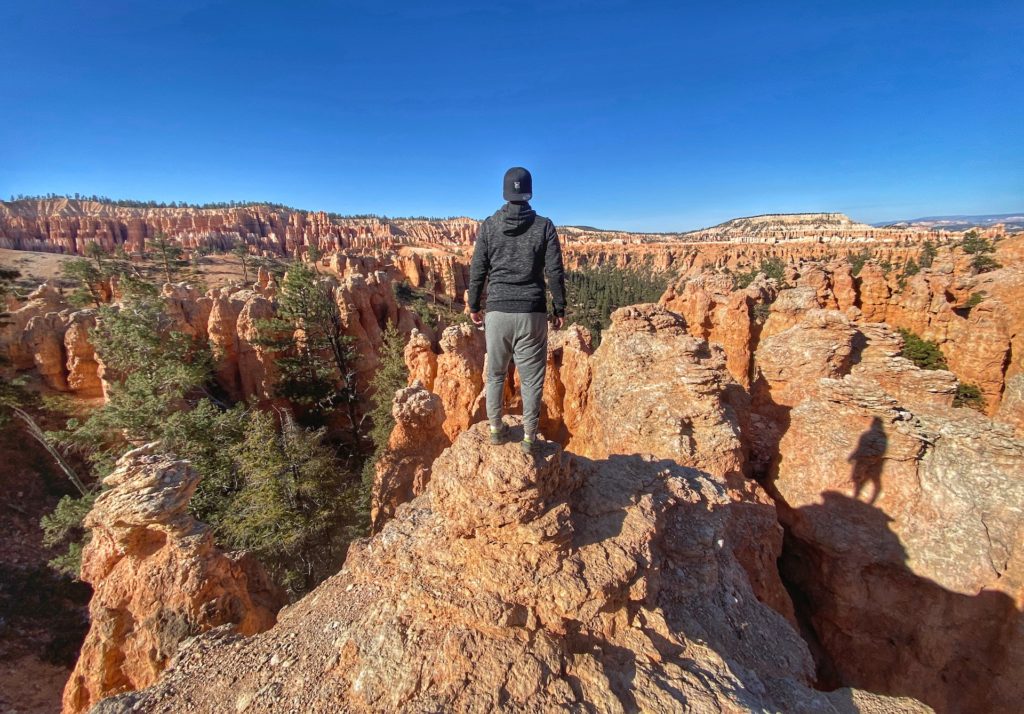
{"x": 557, "y": 322}
{"x": 477, "y": 318}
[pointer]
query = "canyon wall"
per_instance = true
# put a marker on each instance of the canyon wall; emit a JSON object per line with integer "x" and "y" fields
{"x": 973, "y": 318}
{"x": 68, "y": 225}
{"x": 44, "y": 334}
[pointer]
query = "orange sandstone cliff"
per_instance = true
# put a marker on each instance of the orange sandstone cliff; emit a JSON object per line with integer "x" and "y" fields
{"x": 157, "y": 580}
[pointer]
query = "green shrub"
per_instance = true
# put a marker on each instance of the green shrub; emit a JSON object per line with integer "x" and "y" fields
{"x": 928, "y": 253}
{"x": 968, "y": 395}
{"x": 292, "y": 497}
{"x": 858, "y": 260}
{"x": 975, "y": 299}
{"x": 924, "y": 353}
{"x": 761, "y": 312}
{"x": 772, "y": 268}
{"x": 973, "y": 243}
{"x": 983, "y": 263}
{"x": 391, "y": 375}
{"x": 63, "y": 529}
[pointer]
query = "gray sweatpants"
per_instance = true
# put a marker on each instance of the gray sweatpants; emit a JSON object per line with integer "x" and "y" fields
{"x": 524, "y": 337}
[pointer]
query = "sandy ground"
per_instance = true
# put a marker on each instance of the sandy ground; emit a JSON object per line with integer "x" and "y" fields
{"x": 31, "y": 686}
{"x": 216, "y": 270}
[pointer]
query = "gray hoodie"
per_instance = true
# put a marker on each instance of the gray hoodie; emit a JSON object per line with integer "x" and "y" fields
{"x": 515, "y": 250}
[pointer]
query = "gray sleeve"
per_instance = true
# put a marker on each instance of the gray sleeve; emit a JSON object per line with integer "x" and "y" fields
{"x": 478, "y": 269}
{"x": 553, "y": 269}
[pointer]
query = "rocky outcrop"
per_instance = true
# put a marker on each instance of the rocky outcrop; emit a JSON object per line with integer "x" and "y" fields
{"x": 656, "y": 389}
{"x": 439, "y": 383}
{"x": 524, "y": 583}
{"x": 714, "y": 311}
{"x": 459, "y": 382}
{"x": 906, "y": 541}
{"x": 403, "y": 470}
{"x": 157, "y": 579}
{"x": 969, "y": 316}
{"x": 14, "y": 343}
{"x": 420, "y": 360}
{"x": 257, "y": 363}
{"x": 83, "y": 376}
{"x": 659, "y": 391}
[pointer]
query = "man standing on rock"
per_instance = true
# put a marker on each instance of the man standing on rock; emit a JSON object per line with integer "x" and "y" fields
{"x": 515, "y": 250}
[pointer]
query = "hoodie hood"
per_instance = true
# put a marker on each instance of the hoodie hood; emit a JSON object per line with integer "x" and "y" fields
{"x": 515, "y": 218}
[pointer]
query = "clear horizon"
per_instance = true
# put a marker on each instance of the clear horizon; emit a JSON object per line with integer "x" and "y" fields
{"x": 632, "y": 116}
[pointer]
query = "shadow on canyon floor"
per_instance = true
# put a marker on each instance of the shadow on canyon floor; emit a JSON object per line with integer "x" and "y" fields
{"x": 887, "y": 630}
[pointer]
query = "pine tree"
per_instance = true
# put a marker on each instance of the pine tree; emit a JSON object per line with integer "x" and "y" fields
{"x": 314, "y": 253}
{"x": 391, "y": 375}
{"x": 84, "y": 273}
{"x": 241, "y": 251}
{"x": 291, "y": 498}
{"x": 318, "y": 359}
{"x": 928, "y": 253}
{"x": 168, "y": 256}
{"x": 153, "y": 371}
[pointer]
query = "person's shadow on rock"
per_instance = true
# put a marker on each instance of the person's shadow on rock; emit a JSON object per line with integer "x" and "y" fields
{"x": 867, "y": 460}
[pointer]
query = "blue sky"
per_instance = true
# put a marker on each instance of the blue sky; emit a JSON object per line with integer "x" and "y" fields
{"x": 635, "y": 115}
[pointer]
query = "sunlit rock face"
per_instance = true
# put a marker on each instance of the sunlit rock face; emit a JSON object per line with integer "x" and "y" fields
{"x": 157, "y": 579}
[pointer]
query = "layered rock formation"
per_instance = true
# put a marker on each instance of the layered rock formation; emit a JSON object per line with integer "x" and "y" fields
{"x": 69, "y": 225}
{"x": 157, "y": 579}
{"x": 982, "y": 337}
{"x": 524, "y": 583}
{"x": 821, "y": 227}
{"x": 44, "y": 334}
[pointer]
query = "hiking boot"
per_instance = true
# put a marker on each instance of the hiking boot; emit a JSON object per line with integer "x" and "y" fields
{"x": 528, "y": 446}
{"x": 498, "y": 436}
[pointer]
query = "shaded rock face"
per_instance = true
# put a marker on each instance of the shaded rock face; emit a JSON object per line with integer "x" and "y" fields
{"x": 905, "y": 537}
{"x": 523, "y": 583}
{"x": 157, "y": 579}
